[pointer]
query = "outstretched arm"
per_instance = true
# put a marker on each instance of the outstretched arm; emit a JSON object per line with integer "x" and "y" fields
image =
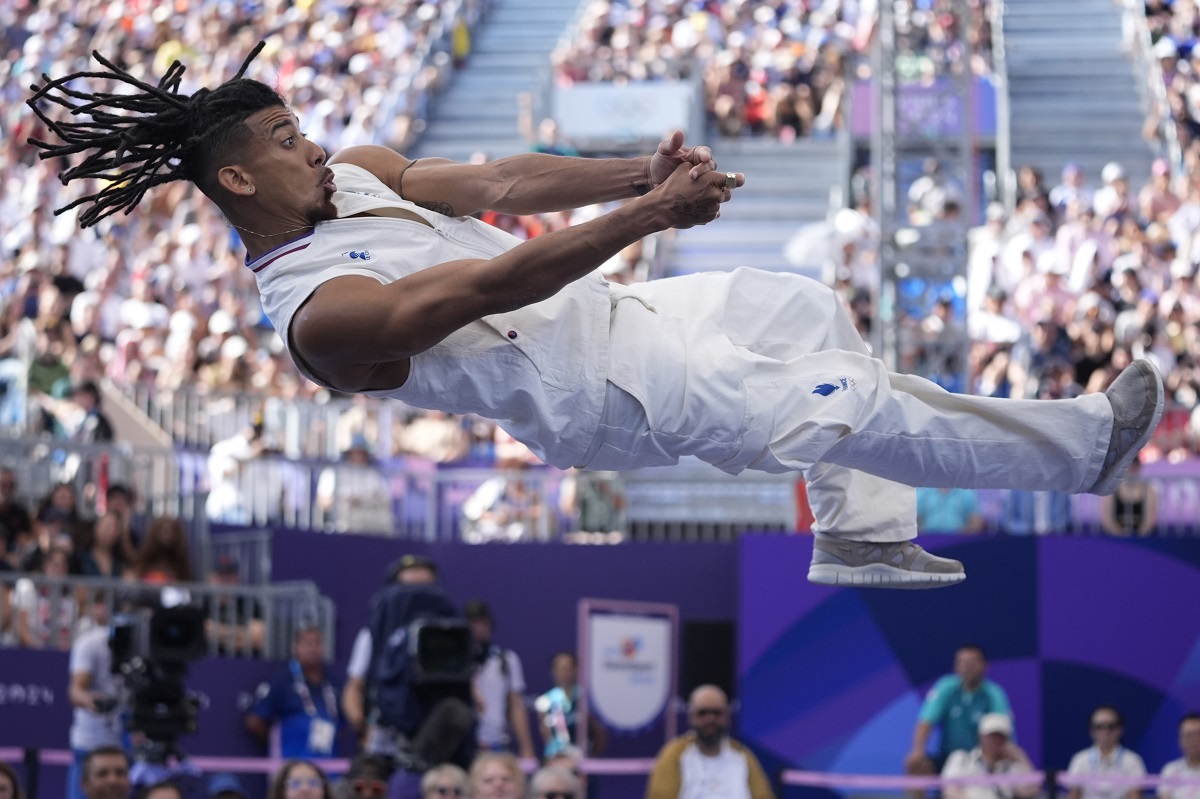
{"x": 357, "y": 335}
{"x": 525, "y": 184}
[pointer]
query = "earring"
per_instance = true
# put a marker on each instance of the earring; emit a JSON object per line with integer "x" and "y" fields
{"x": 250, "y": 190}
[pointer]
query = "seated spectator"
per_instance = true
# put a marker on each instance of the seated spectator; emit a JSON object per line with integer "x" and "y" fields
{"x": 995, "y": 754}
{"x": 234, "y": 623}
{"x": 300, "y": 779}
{"x": 1186, "y": 768}
{"x": 46, "y": 613}
{"x": 1106, "y": 757}
{"x": 10, "y": 786}
{"x": 496, "y": 775}
{"x": 446, "y": 781}
{"x": 1036, "y": 512}
{"x": 224, "y": 785}
{"x": 106, "y": 773}
{"x": 1133, "y": 508}
{"x": 368, "y": 779}
{"x": 355, "y": 494}
{"x": 104, "y": 557}
{"x": 16, "y": 528}
{"x": 164, "y": 556}
{"x": 163, "y": 789}
{"x": 948, "y": 510}
{"x": 551, "y": 782}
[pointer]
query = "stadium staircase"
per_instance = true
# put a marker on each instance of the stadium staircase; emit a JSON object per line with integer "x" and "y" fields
{"x": 510, "y": 54}
{"x": 788, "y": 185}
{"x": 1073, "y": 89}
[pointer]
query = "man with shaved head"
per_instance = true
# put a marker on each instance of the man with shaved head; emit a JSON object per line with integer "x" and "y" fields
{"x": 705, "y": 763}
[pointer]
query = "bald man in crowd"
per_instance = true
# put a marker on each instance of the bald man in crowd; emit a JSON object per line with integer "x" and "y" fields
{"x": 705, "y": 763}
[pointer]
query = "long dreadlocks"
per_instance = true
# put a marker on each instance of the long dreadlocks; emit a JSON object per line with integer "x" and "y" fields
{"x": 142, "y": 140}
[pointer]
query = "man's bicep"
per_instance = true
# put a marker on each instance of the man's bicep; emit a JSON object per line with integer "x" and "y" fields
{"x": 355, "y": 321}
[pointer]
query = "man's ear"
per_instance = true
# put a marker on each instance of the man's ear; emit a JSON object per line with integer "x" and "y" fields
{"x": 233, "y": 179}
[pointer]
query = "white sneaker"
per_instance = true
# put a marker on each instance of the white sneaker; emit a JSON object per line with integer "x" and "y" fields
{"x": 866, "y": 564}
{"x": 1137, "y": 402}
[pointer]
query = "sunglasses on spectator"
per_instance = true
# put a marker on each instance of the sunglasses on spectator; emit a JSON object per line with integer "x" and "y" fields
{"x": 557, "y": 795}
{"x": 442, "y": 790}
{"x": 296, "y": 783}
{"x": 369, "y": 788}
{"x": 1106, "y": 725}
{"x": 709, "y": 711}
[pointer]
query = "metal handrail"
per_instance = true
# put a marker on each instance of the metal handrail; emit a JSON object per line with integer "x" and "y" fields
{"x": 1151, "y": 85}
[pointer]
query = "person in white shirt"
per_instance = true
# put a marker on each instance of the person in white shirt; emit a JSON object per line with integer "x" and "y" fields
{"x": 1186, "y": 767}
{"x": 1107, "y": 758}
{"x": 996, "y": 754}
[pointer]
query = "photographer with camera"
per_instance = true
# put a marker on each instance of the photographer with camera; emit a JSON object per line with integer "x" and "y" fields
{"x": 93, "y": 693}
{"x": 410, "y": 674}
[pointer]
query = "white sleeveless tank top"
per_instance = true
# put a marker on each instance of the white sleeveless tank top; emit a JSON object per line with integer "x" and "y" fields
{"x": 539, "y": 371}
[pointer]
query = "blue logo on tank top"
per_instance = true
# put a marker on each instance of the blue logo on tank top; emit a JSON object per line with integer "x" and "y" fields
{"x": 359, "y": 256}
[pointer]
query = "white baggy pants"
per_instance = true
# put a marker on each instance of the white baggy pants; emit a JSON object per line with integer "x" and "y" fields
{"x": 756, "y": 370}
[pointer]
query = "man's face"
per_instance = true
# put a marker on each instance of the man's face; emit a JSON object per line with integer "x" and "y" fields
{"x": 970, "y": 666}
{"x": 286, "y": 170}
{"x": 1105, "y": 728}
{"x": 708, "y": 714}
{"x": 564, "y": 670}
{"x": 1189, "y": 739}
{"x": 416, "y": 575}
{"x": 551, "y": 786}
{"x": 309, "y": 648}
{"x": 992, "y": 745}
{"x": 481, "y": 630}
{"x": 107, "y": 777}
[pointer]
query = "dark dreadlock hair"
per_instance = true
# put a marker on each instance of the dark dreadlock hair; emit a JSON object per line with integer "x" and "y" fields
{"x": 145, "y": 139}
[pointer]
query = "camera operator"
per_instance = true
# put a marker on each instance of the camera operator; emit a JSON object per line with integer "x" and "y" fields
{"x": 410, "y": 675}
{"x": 93, "y": 694}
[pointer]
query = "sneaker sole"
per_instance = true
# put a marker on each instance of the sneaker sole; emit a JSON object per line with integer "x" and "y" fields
{"x": 1114, "y": 479}
{"x": 880, "y": 575}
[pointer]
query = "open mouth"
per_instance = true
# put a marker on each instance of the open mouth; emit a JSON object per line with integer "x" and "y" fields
{"x": 327, "y": 181}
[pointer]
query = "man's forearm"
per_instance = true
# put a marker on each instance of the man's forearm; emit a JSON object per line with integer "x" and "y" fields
{"x": 536, "y": 183}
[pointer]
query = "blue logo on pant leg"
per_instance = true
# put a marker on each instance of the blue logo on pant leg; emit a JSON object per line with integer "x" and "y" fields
{"x": 825, "y": 389}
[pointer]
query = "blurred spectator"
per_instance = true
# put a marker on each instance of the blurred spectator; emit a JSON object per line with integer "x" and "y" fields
{"x": 96, "y": 719}
{"x": 106, "y": 773}
{"x": 104, "y": 555}
{"x": 234, "y": 623}
{"x": 10, "y": 786}
{"x": 164, "y": 556}
{"x": 227, "y": 501}
{"x": 499, "y": 686}
{"x": 446, "y": 781}
{"x": 301, "y": 700}
{"x": 46, "y": 612}
{"x": 119, "y": 501}
{"x": 595, "y": 501}
{"x": 1186, "y": 767}
{"x": 300, "y": 779}
{"x": 16, "y": 529}
{"x": 552, "y": 782}
{"x": 1106, "y": 756}
{"x": 355, "y": 494}
{"x": 1072, "y": 189}
{"x": 1036, "y": 512}
{"x": 558, "y": 711}
{"x": 496, "y": 775}
{"x": 547, "y": 138}
{"x": 948, "y": 510}
{"x": 1133, "y": 508}
{"x": 996, "y": 754}
{"x": 224, "y": 785}
{"x": 955, "y": 704}
{"x": 368, "y": 779}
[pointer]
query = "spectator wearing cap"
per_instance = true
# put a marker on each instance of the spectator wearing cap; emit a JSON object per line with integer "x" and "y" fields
{"x": 224, "y": 785}
{"x": 408, "y": 570}
{"x": 1112, "y": 199}
{"x": 499, "y": 687}
{"x": 1072, "y": 189}
{"x": 234, "y": 624}
{"x": 996, "y": 754}
{"x": 301, "y": 700}
{"x": 355, "y": 495}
